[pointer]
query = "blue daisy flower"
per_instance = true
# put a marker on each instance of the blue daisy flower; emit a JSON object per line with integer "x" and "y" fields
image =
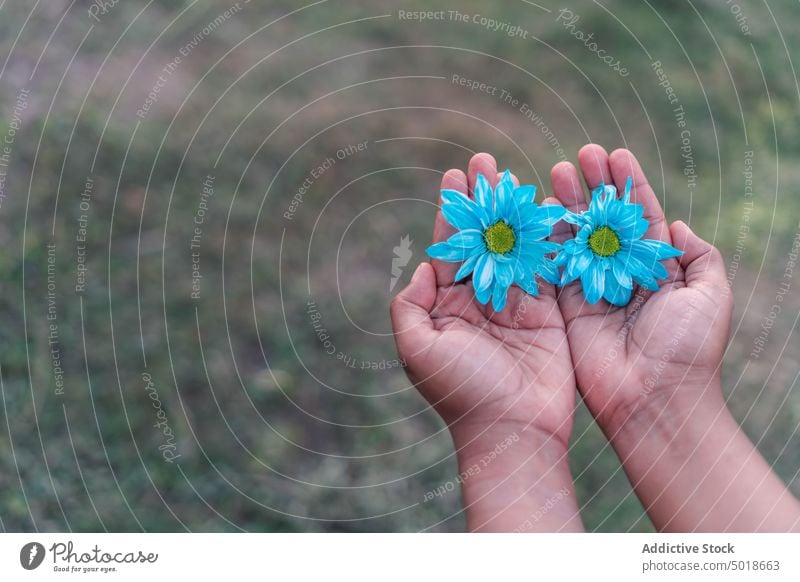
{"x": 500, "y": 239}
{"x": 608, "y": 252}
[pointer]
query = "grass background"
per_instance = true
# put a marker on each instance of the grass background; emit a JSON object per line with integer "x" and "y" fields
{"x": 274, "y": 433}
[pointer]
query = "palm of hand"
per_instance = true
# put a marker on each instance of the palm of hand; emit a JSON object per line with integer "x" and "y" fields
{"x": 474, "y": 364}
{"x": 513, "y": 365}
{"x": 664, "y": 341}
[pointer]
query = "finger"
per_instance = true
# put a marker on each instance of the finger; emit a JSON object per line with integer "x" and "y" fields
{"x": 702, "y": 263}
{"x": 410, "y": 310}
{"x": 442, "y": 230}
{"x": 482, "y": 163}
{"x": 567, "y": 187}
{"x": 623, "y": 164}
{"x": 593, "y": 160}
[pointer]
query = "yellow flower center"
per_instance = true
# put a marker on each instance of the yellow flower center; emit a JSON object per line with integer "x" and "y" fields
{"x": 499, "y": 237}
{"x": 604, "y": 242}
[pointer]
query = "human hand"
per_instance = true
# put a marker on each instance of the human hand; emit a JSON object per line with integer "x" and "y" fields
{"x": 663, "y": 346}
{"x": 650, "y": 374}
{"x": 477, "y": 366}
{"x": 494, "y": 376}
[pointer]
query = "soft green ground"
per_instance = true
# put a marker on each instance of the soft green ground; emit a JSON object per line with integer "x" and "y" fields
{"x": 264, "y": 444}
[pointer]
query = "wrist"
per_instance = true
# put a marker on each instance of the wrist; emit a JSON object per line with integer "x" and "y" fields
{"x": 475, "y": 437}
{"x": 694, "y": 469}
{"x": 515, "y": 477}
{"x": 668, "y": 411}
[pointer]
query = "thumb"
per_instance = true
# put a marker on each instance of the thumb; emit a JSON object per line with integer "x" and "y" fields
{"x": 702, "y": 262}
{"x": 411, "y": 308}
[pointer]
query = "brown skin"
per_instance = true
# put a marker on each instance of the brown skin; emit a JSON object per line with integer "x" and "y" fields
{"x": 659, "y": 400}
{"x": 648, "y": 372}
{"x": 490, "y": 376}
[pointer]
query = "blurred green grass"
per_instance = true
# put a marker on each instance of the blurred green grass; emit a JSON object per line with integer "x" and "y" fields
{"x": 257, "y": 433}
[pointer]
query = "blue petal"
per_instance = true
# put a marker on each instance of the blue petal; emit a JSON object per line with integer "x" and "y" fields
{"x": 548, "y": 270}
{"x": 462, "y": 212}
{"x": 529, "y": 285}
{"x": 660, "y": 249}
{"x": 583, "y": 259}
{"x": 579, "y": 263}
{"x": 615, "y": 293}
{"x": 467, "y": 267}
{"x": 649, "y": 258}
{"x": 499, "y": 296}
{"x": 582, "y": 238}
{"x": 639, "y": 229}
{"x": 504, "y": 273}
{"x": 513, "y": 217}
{"x": 522, "y": 271}
{"x": 548, "y": 214}
{"x": 575, "y": 218}
{"x": 537, "y": 248}
{"x": 460, "y": 218}
{"x": 503, "y": 195}
{"x": 628, "y": 184}
{"x": 611, "y": 191}
{"x": 446, "y": 252}
{"x": 562, "y": 258}
{"x": 535, "y": 230}
{"x": 451, "y": 196}
{"x": 551, "y": 213}
{"x": 569, "y": 275}
{"x": 525, "y": 277}
{"x": 647, "y": 281}
{"x": 626, "y": 219}
{"x": 602, "y": 196}
{"x": 644, "y": 254}
{"x": 525, "y": 194}
{"x": 593, "y": 281}
{"x": 483, "y": 195}
{"x": 640, "y": 272}
{"x": 482, "y": 295}
{"x": 621, "y": 274}
{"x": 525, "y": 215}
{"x": 504, "y": 276}
{"x": 484, "y": 272}
{"x": 468, "y": 238}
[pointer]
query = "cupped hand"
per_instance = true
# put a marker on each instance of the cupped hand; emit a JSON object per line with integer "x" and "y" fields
{"x": 476, "y": 366}
{"x": 662, "y": 344}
